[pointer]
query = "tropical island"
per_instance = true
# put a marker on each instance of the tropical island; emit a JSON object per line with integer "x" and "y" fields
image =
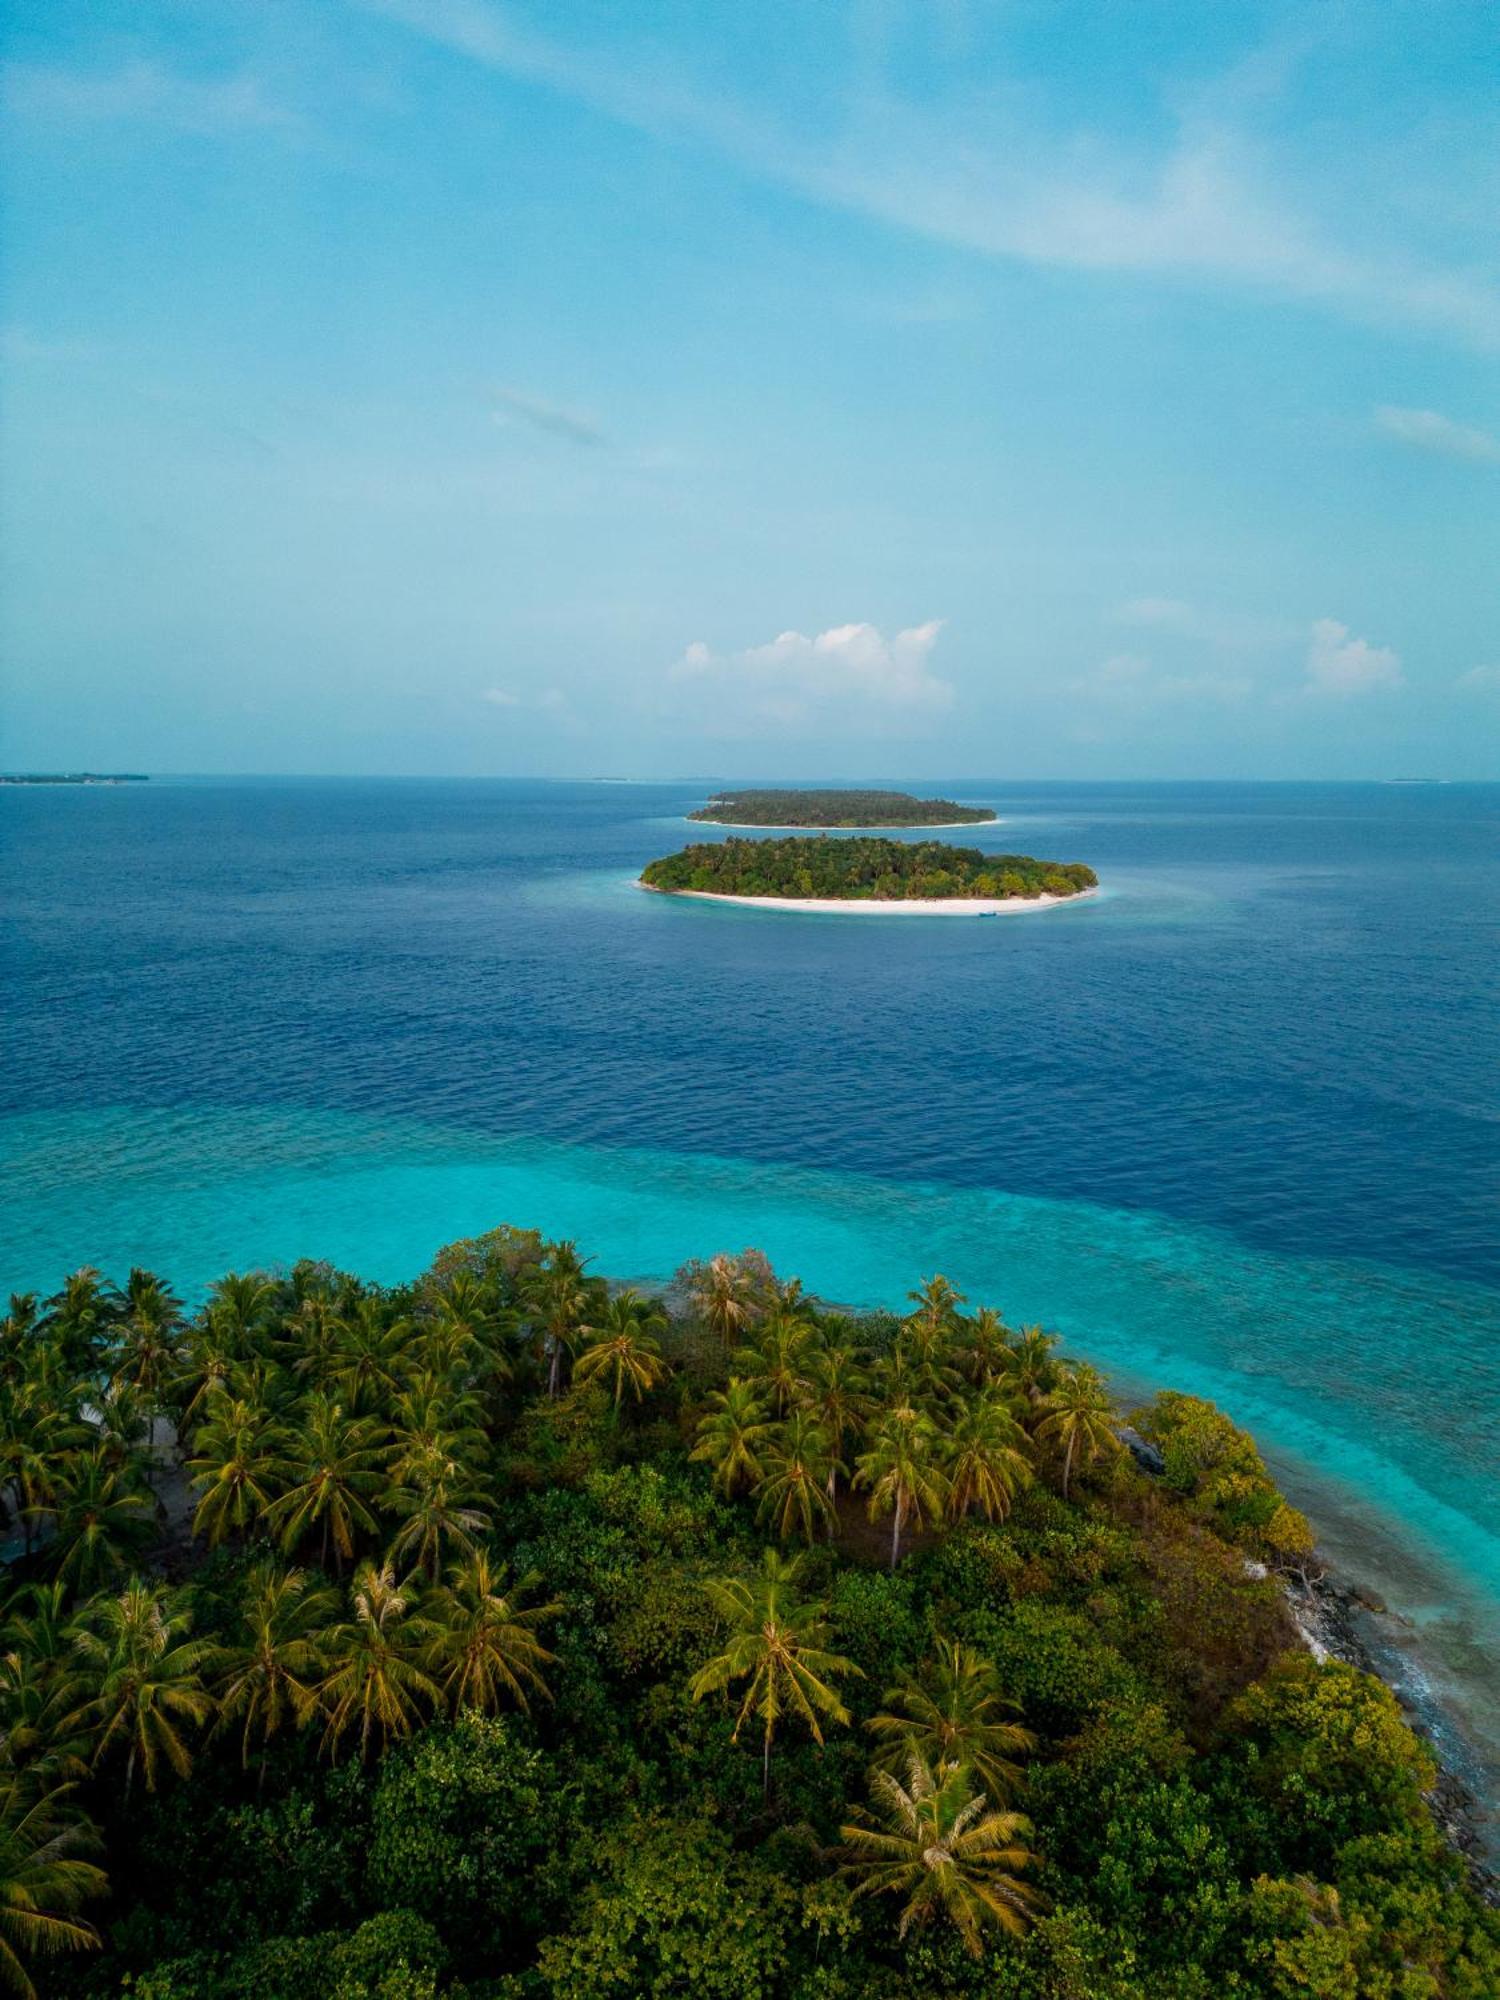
{"x": 836, "y": 809}
{"x": 510, "y": 1635}
{"x": 73, "y": 778}
{"x": 818, "y": 873}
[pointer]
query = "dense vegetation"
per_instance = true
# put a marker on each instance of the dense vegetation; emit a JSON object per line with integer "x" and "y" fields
{"x": 862, "y": 870}
{"x": 505, "y": 1637}
{"x": 838, "y": 808}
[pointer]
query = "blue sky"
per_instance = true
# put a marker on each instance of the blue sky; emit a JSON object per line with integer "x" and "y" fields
{"x": 1034, "y": 389}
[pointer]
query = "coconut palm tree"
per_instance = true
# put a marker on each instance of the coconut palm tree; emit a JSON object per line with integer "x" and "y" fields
{"x": 77, "y": 1322}
{"x": 732, "y": 1436}
{"x": 1032, "y": 1365}
{"x": 336, "y": 1464}
{"x": 930, "y": 1326}
{"x": 275, "y": 1663}
{"x": 935, "y": 1840}
{"x": 901, "y": 1467}
{"x": 372, "y": 1355}
{"x": 625, "y": 1346}
{"x": 840, "y": 1401}
{"x": 782, "y": 1357}
{"x": 240, "y": 1466}
{"x": 987, "y": 1458}
{"x": 954, "y": 1712}
{"x": 40, "y": 1687}
{"x": 777, "y": 1647}
{"x": 375, "y": 1684}
{"x": 463, "y": 1337}
{"x": 432, "y": 1502}
{"x": 484, "y": 1648}
{"x": 148, "y": 1334}
{"x": 799, "y": 1469}
{"x": 147, "y": 1678}
{"x": 1080, "y": 1420}
{"x": 986, "y": 1347}
{"x": 724, "y": 1297}
{"x": 562, "y": 1301}
{"x": 44, "y": 1880}
{"x": 100, "y": 1517}
{"x": 240, "y": 1309}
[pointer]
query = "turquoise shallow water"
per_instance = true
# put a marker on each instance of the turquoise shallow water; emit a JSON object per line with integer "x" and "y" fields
{"x": 1233, "y": 1127}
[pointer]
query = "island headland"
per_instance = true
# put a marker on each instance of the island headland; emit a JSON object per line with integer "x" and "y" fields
{"x": 508, "y": 1632}
{"x": 872, "y": 874}
{"x": 840, "y": 808}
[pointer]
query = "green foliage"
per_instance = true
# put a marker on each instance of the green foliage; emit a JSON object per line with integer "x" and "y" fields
{"x": 836, "y": 808}
{"x": 674, "y": 1910}
{"x": 860, "y": 869}
{"x": 1217, "y": 1468}
{"x": 1053, "y": 1662}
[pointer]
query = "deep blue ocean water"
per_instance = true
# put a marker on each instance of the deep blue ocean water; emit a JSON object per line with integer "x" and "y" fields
{"x": 1233, "y": 1126}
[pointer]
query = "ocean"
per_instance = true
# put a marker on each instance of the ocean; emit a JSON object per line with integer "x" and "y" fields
{"x": 1232, "y": 1126}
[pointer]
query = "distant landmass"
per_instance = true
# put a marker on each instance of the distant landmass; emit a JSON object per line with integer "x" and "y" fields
{"x": 814, "y": 870}
{"x": 836, "y": 808}
{"x": 72, "y": 778}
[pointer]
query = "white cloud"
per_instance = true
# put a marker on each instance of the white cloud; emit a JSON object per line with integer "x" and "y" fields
{"x": 1130, "y": 681}
{"x": 850, "y": 673}
{"x": 982, "y": 168}
{"x": 144, "y": 92}
{"x": 553, "y": 418}
{"x": 1430, "y": 430}
{"x": 1480, "y": 680}
{"x": 1339, "y": 664}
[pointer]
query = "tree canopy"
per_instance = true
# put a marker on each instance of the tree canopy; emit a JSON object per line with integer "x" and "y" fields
{"x": 843, "y": 807}
{"x": 862, "y": 869}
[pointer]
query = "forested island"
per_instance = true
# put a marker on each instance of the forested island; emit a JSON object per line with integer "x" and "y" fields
{"x": 820, "y": 870}
{"x": 836, "y": 808}
{"x": 508, "y": 1635}
{"x": 73, "y": 778}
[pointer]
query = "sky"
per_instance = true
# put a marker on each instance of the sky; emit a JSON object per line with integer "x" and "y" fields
{"x": 1028, "y": 389}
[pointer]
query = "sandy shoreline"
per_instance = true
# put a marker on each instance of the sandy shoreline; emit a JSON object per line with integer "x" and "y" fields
{"x": 915, "y": 906}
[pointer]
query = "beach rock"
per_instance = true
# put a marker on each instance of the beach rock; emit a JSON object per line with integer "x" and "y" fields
{"x": 1146, "y": 1455}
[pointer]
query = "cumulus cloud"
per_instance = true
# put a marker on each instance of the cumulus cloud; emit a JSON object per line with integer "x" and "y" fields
{"x": 1342, "y": 665}
{"x": 1430, "y": 430}
{"x": 555, "y": 419}
{"x": 851, "y": 671}
{"x": 1130, "y": 681}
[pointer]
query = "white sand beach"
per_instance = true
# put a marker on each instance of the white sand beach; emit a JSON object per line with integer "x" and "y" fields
{"x": 948, "y": 906}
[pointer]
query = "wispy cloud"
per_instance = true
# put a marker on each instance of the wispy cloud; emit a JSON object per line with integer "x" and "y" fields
{"x": 1130, "y": 681}
{"x": 1480, "y": 680}
{"x": 1339, "y": 664}
{"x": 985, "y": 172}
{"x": 145, "y": 92}
{"x": 540, "y": 699}
{"x": 513, "y": 406}
{"x": 851, "y": 673}
{"x": 1430, "y": 430}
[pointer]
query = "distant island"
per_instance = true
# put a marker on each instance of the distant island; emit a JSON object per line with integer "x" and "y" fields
{"x": 816, "y": 873}
{"x": 72, "y": 778}
{"x": 836, "y": 808}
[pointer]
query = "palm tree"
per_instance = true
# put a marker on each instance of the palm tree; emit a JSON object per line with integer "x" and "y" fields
{"x": 937, "y": 1841}
{"x": 732, "y": 1436}
{"x": 839, "y": 1399}
{"x": 239, "y": 1311}
{"x": 626, "y": 1346}
{"x": 240, "y": 1466}
{"x": 987, "y": 1459}
{"x": 149, "y": 1335}
{"x": 40, "y": 1685}
{"x": 799, "y": 1469}
{"x": 432, "y": 1503}
{"x": 782, "y": 1357}
{"x": 371, "y": 1355}
{"x": 777, "y": 1646}
{"x": 43, "y": 1880}
{"x": 954, "y": 1712}
{"x": 148, "y": 1678}
{"x": 1080, "y": 1419}
{"x": 276, "y": 1663}
{"x": 484, "y": 1647}
{"x": 77, "y": 1321}
{"x": 100, "y": 1518}
{"x": 374, "y": 1682}
{"x": 987, "y": 1349}
{"x": 562, "y": 1299}
{"x": 335, "y": 1463}
{"x": 1031, "y": 1363}
{"x": 464, "y": 1336}
{"x": 902, "y": 1470}
{"x": 931, "y": 1325}
{"x": 722, "y": 1293}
